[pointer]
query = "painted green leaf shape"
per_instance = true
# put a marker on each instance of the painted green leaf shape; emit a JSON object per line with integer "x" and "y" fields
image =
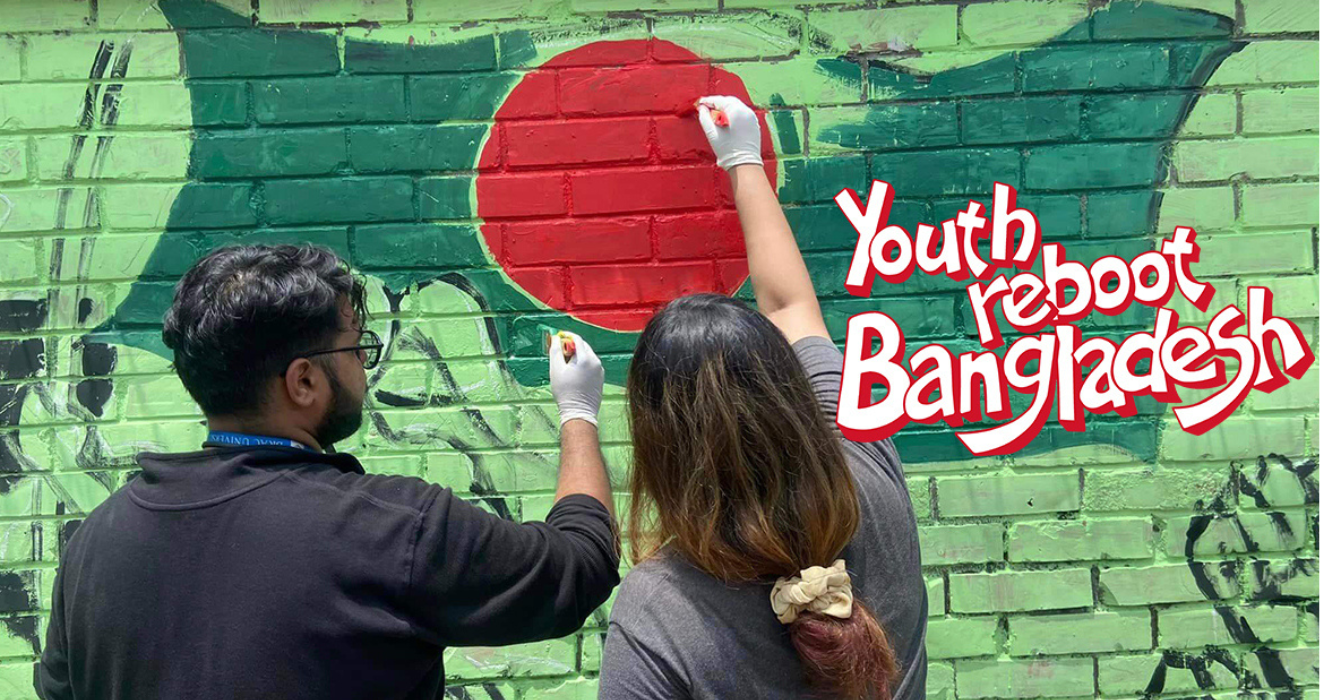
{"x": 260, "y": 185}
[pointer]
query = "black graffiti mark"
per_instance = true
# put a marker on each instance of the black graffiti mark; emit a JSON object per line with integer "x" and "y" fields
{"x": 25, "y": 628}
{"x": 466, "y": 286}
{"x": 22, "y": 315}
{"x": 85, "y": 309}
{"x": 394, "y": 400}
{"x": 1198, "y": 664}
{"x": 85, "y": 121}
{"x": 16, "y": 596}
{"x": 1302, "y": 472}
{"x": 492, "y": 331}
{"x": 1268, "y": 584}
{"x": 460, "y": 692}
{"x": 483, "y": 483}
{"x": 98, "y": 361}
{"x": 413, "y": 341}
{"x": 484, "y": 486}
{"x": 21, "y": 359}
{"x": 67, "y": 530}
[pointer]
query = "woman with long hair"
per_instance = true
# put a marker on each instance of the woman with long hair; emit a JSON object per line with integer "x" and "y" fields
{"x": 773, "y": 558}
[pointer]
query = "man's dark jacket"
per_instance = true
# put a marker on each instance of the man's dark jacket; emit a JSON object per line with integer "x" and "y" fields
{"x": 272, "y": 572}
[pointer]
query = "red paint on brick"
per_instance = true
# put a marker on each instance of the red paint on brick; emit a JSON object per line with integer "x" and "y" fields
{"x": 604, "y": 53}
{"x": 594, "y": 241}
{"x": 615, "y": 285}
{"x": 577, "y": 142}
{"x": 503, "y": 196}
{"x": 537, "y": 97}
{"x": 602, "y": 119}
{"x": 495, "y": 244}
{"x": 492, "y": 153}
{"x": 670, "y": 52}
{"x": 642, "y": 89}
{"x": 646, "y": 189}
{"x": 629, "y": 319}
{"x": 549, "y": 285}
{"x": 681, "y": 139}
{"x": 732, "y": 273}
{"x": 706, "y": 235}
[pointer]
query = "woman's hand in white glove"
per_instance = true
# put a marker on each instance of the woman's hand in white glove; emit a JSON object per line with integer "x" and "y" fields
{"x": 578, "y": 383}
{"x": 739, "y": 143}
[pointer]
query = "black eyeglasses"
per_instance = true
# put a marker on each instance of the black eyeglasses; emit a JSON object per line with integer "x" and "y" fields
{"x": 368, "y": 352}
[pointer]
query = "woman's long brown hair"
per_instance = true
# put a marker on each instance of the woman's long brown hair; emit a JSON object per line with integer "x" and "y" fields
{"x": 737, "y": 469}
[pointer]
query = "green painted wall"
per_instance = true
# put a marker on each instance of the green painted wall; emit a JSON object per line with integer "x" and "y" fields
{"x": 1131, "y": 559}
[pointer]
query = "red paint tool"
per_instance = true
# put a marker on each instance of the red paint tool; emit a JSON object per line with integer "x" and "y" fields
{"x": 717, "y": 116}
{"x": 566, "y": 344}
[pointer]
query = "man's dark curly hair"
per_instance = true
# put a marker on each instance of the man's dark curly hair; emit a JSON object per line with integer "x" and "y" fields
{"x": 241, "y": 314}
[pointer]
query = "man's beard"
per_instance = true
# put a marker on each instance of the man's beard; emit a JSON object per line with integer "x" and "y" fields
{"x": 344, "y": 416}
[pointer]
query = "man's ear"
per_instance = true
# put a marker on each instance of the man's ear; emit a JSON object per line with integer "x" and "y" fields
{"x": 300, "y": 380}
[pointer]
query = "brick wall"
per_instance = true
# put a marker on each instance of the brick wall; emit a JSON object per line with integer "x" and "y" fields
{"x": 499, "y": 167}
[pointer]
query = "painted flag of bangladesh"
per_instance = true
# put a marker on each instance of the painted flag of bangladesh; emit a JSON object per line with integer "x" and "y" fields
{"x": 553, "y": 175}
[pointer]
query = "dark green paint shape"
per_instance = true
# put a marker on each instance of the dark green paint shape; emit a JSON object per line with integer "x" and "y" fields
{"x": 1126, "y": 20}
{"x": 217, "y": 205}
{"x": 346, "y": 200}
{"x": 841, "y": 70}
{"x": 445, "y": 197}
{"x": 202, "y": 14}
{"x": 923, "y": 125}
{"x": 392, "y": 249}
{"x": 819, "y": 179}
{"x": 230, "y": 154}
{"x": 439, "y": 98}
{"x": 222, "y": 103}
{"x": 1113, "y": 214}
{"x": 1133, "y": 116}
{"x": 248, "y": 53}
{"x": 405, "y": 251}
{"x": 178, "y": 250}
{"x": 390, "y": 149}
{"x": 336, "y": 100}
{"x": 1059, "y": 215}
{"x": 996, "y": 76}
{"x": 365, "y": 56}
{"x": 920, "y": 318}
{"x": 1084, "y": 166}
{"x": 516, "y": 48}
{"x": 1021, "y": 120}
{"x": 785, "y": 127}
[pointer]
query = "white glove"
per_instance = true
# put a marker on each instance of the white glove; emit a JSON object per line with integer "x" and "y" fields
{"x": 577, "y": 384}
{"x": 739, "y": 143}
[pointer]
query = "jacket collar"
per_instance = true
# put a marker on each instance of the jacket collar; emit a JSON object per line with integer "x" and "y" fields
{"x": 180, "y": 481}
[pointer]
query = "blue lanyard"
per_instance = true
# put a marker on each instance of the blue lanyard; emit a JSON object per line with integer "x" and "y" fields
{"x": 241, "y": 440}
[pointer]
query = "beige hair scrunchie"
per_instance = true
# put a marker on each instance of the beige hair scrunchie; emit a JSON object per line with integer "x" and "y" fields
{"x": 818, "y": 589}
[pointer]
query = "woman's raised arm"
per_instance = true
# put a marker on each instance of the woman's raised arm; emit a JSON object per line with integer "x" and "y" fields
{"x": 779, "y": 276}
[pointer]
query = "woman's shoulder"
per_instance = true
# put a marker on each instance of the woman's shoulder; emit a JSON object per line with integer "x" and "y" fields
{"x": 663, "y": 587}
{"x": 653, "y": 582}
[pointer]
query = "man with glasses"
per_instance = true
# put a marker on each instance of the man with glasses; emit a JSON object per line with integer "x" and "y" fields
{"x": 266, "y": 565}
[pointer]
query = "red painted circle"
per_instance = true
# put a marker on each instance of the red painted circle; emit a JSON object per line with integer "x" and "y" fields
{"x": 598, "y": 192}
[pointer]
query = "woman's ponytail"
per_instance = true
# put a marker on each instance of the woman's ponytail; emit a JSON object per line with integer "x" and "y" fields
{"x": 849, "y": 658}
{"x": 844, "y": 651}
